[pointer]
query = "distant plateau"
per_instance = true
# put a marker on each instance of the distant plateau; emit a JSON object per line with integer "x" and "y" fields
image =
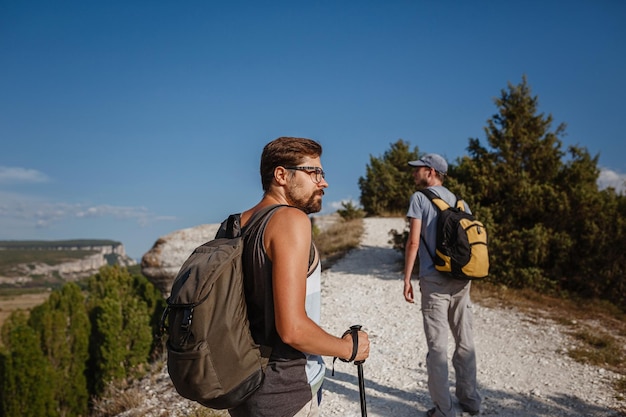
{"x": 43, "y": 263}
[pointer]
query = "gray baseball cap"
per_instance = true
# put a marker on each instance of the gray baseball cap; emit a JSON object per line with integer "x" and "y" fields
{"x": 431, "y": 160}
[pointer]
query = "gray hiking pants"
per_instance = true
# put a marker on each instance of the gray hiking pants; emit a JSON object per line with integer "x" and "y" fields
{"x": 446, "y": 305}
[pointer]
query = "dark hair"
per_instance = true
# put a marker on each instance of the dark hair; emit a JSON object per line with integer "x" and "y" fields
{"x": 285, "y": 151}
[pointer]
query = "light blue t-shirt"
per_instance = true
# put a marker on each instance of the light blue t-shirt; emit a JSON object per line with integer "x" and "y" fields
{"x": 420, "y": 207}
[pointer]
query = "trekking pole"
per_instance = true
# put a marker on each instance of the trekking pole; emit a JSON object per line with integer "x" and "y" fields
{"x": 354, "y": 331}
{"x": 359, "y": 366}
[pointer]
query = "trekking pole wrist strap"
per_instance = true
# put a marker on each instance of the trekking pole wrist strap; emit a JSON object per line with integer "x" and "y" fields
{"x": 354, "y": 332}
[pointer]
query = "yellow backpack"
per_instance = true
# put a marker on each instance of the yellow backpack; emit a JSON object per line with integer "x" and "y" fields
{"x": 461, "y": 241}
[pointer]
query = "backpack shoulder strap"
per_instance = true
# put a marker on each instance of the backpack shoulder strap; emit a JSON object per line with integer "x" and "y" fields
{"x": 440, "y": 202}
{"x": 229, "y": 228}
{"x": 233, "y": 225}
{"x": 259, "y": 216}
{"x": 432, "y": 197}
{"x": 435, "y": 199}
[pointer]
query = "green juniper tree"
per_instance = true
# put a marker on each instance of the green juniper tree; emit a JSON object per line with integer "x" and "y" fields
{"x": 71, "y": 346}
{"x": 63, "y": 325}
{"x": 349, "y": 211}
{"x": 388, "y": 181}
{"x": 550, "y": 226}
{"x": 26, "y": 382}
{"x": 515, "y": 181}
{"x": 122, "y": 336}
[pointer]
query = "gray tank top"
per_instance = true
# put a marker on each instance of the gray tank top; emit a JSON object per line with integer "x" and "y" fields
{"x": 291, "y": 376}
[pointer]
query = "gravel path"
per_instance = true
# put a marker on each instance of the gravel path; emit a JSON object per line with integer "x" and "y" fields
{"x": 522, "y": 368}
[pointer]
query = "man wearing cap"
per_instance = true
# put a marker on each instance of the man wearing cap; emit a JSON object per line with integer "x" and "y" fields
{"x": 445, "y": 300}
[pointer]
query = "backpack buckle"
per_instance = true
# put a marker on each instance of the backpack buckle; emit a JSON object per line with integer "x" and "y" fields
{"x": 187, "y": 318}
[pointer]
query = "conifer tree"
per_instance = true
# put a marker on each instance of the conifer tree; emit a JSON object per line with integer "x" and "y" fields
{"x": 121, "y": 336}
{"x": 26, "y": 386}
{"x": 388, "y": 181}
{"x": 63, "y": 325}
{"x": 550, "y": 226}
{"x": 154, "y": 303}
{"x": 108, "y": 345}
{"x": 515, "y": 180}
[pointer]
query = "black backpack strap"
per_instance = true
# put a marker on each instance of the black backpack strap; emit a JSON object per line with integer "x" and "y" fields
{"x": 233, "y": 225}
{"x": 460, "y": 203}
{"x": 230, "y": 228}
{"x": 430, "y": 195}
{"x": 259, "y": 216}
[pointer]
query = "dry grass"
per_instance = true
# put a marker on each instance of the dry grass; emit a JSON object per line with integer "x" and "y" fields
{"x": 207, "y": 412}
{"x": 118, "y": 397}
{"x": 131, "y": 398}
{"x": 598, "y": 348}
{"x": 16, "y": 301}
{"x": 338, "y": 239}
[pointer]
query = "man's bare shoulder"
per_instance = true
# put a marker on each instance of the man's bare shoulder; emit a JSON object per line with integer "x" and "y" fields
{"x": 288, "y": 231}
{"x": 289, "y": 217}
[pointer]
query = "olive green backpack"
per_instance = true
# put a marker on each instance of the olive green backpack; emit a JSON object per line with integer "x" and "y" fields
{"x": 211, "y": 355}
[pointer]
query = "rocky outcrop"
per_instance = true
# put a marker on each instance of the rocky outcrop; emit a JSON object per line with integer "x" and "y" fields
{"x": 161, "y": 263}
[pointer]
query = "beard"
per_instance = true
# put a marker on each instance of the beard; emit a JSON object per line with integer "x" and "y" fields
{"x": 312, "y": 204}
{"x": 421, "y": 183}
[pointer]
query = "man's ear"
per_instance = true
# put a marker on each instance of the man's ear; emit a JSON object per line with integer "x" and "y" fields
{"x": 280, "y": 175}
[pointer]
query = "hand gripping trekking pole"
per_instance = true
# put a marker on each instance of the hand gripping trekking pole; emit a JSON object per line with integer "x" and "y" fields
{"x": 354, "y": 331}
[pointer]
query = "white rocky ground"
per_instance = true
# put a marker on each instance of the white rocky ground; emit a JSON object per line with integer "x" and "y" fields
{"x": 523, "y": 370}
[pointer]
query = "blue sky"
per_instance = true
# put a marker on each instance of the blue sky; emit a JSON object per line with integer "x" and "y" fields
{"x": 127, "y": 120}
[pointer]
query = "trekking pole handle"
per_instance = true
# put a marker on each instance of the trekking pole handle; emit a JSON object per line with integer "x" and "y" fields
{"x": 354, "y": 331}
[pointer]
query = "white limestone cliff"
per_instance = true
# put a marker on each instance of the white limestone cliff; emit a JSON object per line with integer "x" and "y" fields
{"x": 162, "y": 262}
